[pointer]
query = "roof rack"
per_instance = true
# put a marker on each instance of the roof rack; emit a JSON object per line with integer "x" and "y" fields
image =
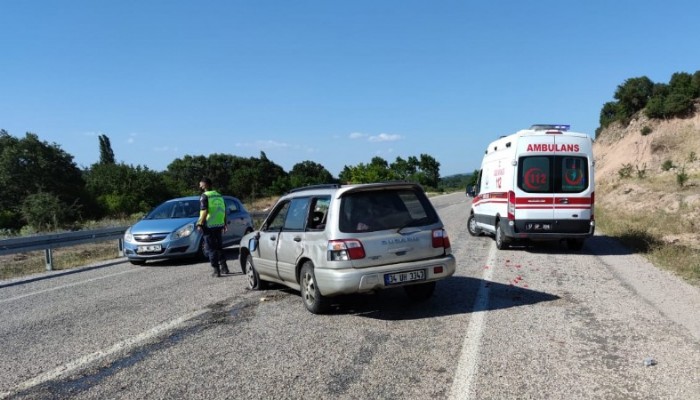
{"x": 545, "y": 127}
{"x": 312, "y": 187}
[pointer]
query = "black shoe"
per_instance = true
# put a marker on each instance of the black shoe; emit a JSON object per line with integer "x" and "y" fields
{"x": 224, "y": 269}
{"x": 216, "y": 273}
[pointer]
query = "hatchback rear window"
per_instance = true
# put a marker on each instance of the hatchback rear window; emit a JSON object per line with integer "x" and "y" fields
{"x": 385, "y": 209}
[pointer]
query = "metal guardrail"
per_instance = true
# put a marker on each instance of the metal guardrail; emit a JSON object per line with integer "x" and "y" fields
{"x": 67, "y": 239}
{"x": 57, "y": 240}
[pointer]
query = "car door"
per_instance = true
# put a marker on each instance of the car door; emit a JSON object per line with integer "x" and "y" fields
{"x": 236, "y": 221}
{"x": 265, "y": 258}
{"x": 290, "y": 246}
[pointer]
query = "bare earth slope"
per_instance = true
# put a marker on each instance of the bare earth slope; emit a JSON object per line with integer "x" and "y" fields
{"x": 649, "y": 189}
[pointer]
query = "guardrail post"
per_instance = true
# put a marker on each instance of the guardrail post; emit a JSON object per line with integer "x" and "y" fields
{"x": 49, "y": 259}
{"x": 120, "y": 247}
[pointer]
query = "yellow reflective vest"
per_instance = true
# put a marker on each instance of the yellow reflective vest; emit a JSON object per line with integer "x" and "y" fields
{"x": 216, "y": 213}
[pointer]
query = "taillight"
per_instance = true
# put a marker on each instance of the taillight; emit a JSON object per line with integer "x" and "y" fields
{"x": 441, "y": 239}
{"x": 345, "y": 249}
{"x": 511, "y": 205}
{"x": 592, "y": 204}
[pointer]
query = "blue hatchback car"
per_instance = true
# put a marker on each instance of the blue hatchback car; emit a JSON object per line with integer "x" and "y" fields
{"x": 169, "y": 230}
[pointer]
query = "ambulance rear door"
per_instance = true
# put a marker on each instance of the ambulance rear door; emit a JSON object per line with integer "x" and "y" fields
{"x": 573, "y": 182}
{"x": 534, "y": 194}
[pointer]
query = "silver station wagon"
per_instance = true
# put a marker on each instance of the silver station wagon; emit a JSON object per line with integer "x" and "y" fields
{"x": 329, "y": 240}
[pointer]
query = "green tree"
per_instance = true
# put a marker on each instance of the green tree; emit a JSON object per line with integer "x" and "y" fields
{"x": 122, "y": 190}
{"x": 404, "y": 169}
{"x": 376, "y": 171}
{"x": 106, "y": 153}
{"x": 608, "y": 114}
{"x": 46, "y": 212}
{"x": 182, "y": 175}
{"x": 633, "y": 95}
{"x": 678, "y": 104}
{"x": 695, "y": 83}
{"x": 681, "y": 82}
{"x": 29, "y": 166}
{"x": 430, "y": 169}
{"x": 309, "y": 173}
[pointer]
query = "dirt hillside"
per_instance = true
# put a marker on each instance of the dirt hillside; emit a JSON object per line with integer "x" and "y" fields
{"x": 633, "y": 174}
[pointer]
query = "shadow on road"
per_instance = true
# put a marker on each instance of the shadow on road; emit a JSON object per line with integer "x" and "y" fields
{"x": 455, "y": 295}
{"x": 231, "y": 259}
{"x": 600, "y": 245}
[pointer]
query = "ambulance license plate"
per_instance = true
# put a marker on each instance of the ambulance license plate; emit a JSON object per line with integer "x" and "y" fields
{"x": 402, "y": 277}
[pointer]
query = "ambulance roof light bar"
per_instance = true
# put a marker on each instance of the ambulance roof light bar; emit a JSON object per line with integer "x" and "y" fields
{"x": 547, "y": 127}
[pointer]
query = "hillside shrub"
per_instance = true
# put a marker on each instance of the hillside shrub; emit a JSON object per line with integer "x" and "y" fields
{"x": 682, "y": 178}
{"x": 641, "y": 173}
{"x": 667, "y": 165}
{"x": 625, "y": 171}
{"x": 692, "y": 157}
{"x": 646, "y": 130}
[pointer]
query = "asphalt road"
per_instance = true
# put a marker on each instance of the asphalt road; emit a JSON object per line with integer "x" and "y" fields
{"x": 536, "y": 322}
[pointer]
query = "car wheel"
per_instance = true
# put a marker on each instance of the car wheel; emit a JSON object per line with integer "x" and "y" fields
{"x": 471, "y": 226}
{"x": 313, "y": 300}
{"x": 501, "y": 242}
{"x": 254, "y": 282}
{"x": 420, "y": 292}
{"x": 138, "y": 262}
{"x": 574, "y": 244}
{"x": 202, "y": 254}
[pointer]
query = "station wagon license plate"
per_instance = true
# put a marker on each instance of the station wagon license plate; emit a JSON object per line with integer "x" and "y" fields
{"x": 153, "y": 248}
{"x": 402, "y": 277}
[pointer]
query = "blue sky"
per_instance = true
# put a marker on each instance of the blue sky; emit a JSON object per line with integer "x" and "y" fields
{"x": 335, "y": 82}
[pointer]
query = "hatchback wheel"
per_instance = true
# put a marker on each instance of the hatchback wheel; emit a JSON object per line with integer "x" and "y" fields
{"x": 254, "y": 282}
{"x": 313, "y": 300}
{"x": 420, "y": 292}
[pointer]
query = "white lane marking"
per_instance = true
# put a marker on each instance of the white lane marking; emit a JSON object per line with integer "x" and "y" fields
{"x": 90, "y": 358}
{"x": 467, "y": 366}
{"x": 68, "y": 285}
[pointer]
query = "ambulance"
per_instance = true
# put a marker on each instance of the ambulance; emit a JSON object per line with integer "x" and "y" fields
{"x": 536, "y": 184}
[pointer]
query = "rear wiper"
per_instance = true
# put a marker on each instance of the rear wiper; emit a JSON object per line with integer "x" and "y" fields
{"x": 413, "y": 222}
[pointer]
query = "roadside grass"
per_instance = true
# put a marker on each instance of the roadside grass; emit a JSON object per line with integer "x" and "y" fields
{"x": 644, "y": 233}
{"x": 34, "y": 262}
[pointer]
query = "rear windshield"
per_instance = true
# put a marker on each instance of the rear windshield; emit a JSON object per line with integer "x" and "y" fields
{"x": 553, "y": 174}
{"x": 385, "y": 209}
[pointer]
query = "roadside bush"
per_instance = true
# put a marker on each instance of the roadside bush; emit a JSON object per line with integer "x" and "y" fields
{"x": 642, "y": 173}
{"x": 625, "y": 171}
{"x": 46, "y": 212}
{"x": 682, "y": 177}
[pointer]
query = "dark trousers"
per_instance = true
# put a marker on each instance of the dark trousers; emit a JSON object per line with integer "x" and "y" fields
{"x": 212, "y": 238}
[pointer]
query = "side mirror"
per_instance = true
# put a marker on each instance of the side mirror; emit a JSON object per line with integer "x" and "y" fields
{"x": 253, "y": 244}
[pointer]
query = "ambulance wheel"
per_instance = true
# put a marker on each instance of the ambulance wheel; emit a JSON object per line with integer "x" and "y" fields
{"x": 501, "y": 241}
{"x": 471, "y": 226}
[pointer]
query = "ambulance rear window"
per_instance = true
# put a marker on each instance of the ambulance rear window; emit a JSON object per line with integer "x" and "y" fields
{"x": 553, "y": 174}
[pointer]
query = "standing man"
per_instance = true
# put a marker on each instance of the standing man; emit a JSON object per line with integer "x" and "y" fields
{"x": 212, "y": 222}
